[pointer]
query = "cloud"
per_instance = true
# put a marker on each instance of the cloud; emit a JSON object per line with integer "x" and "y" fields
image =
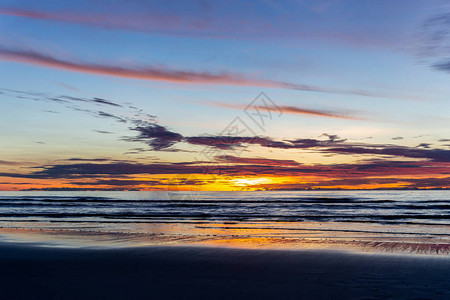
{"x": 107, "y": 102}
{"x": 292, "y": 20}
{"x": 334, "y": 145}
{"x": 9, "y": 163}
{"x": 155, "y": 22}
{"x": 119, "y": 182}
{"x": 424, "y": 145}
{"x": 108, "y": 115}
{"x": 156, "y": 136}
{"x": 435, "y": 40}
{"x": 166, "y": 75}
{"x": 442, "y": 66}
{"x": 229, "y": 142}
{"x": 116, "y": 169}
{"x": 295, "y": 110}
{"x": 333, "y": 138}
{"x": 139, "y": 182}
{"x": 102, "y": 131}
{"x": 89, "y": 159}
{"x": 59, "y": 99}
{"x": 437, "y": 155}
{"x": 313, "y": 112}
{"x": 259, "y": 161}
{"x": 159, "y": 138}
{"x": 68, "y": 86}
{"x": 222, "y": 142}
{"x": 144, "y": 73}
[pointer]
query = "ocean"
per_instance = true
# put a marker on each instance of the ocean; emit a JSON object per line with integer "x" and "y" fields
{"x": 416, "y": 216}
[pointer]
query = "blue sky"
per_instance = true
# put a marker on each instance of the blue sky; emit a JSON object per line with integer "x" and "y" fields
{"x": 366, "y": 71}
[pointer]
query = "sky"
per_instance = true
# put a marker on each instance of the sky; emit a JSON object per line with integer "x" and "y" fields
{"x": 224, "y": 95}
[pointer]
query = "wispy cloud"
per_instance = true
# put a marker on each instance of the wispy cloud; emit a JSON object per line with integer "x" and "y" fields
{"x": 144, "y": 73}
{"x": 159, "y": 138}
{"x": 312, "y": 112}
{"x": 151, "y": 23}
{"x": 295, "y": 110}
{"x": 165, "y": 74}
{"x": 435, "y": 40}
{"x": 219, "y": 20}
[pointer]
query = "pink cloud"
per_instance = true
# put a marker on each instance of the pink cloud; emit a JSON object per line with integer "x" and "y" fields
{"x": 294, "y": 110}
{"x": 144, "y": 73}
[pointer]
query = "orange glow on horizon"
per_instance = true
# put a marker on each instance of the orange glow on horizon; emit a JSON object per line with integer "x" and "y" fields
{"x": 202, "y": 182}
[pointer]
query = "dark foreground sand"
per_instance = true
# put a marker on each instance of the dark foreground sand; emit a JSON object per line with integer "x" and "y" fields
{"x": 29, "y": 272}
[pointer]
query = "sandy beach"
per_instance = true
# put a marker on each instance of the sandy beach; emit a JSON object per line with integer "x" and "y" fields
{"x": 29, "y": 271}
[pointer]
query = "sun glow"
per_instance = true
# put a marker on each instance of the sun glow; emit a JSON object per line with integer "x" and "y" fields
{"x": 250, "y": 181}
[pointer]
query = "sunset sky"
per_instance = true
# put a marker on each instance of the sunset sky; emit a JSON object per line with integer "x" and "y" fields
{"x": 224, "y": 95}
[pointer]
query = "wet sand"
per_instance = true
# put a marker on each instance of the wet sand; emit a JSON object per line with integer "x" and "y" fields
{"x": 221, "y": 237}
{"x": 31, "y": 271}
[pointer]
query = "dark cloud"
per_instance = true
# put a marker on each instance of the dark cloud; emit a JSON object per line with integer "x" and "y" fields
{"x": 62, "y": 99}
{"x": 119, "y": 182}
{"x": 259, "y": 161}
{"x": 333, "y": 138}
{"x": 221, "y": 142}
{"x": 442, "y": 66}
{"x": 228, "y": 142}
{"x": 253, "y": 167}
{"x": 156, "y": 136}
{"x": 159, "y": 138}
{"x": 102, "y": 101}
{"x": 333, "y": 145}
{"x": 137, "y": 182}
{"x": 429, "y": 182}
{"x": 435, "y": 41}
{"x": 107, "y": 102}
{"x": 108, "y": 115}
{"x": 88, "y": 159}
{"x": 424, "y": 145}
{"x": 437, "y": 155}
{"x": 397, "y": 138}
{"x": 102, "y": 131}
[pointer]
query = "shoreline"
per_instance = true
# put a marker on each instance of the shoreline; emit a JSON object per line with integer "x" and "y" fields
{"x": 175, "y": 272}
{"x": 82, "y": 238}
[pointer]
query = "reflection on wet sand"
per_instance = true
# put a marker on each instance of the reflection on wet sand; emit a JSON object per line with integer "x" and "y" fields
{"x": 265, "y": 235}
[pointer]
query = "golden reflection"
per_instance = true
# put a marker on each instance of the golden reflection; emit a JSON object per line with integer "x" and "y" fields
{"x": 261, "y": 235}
